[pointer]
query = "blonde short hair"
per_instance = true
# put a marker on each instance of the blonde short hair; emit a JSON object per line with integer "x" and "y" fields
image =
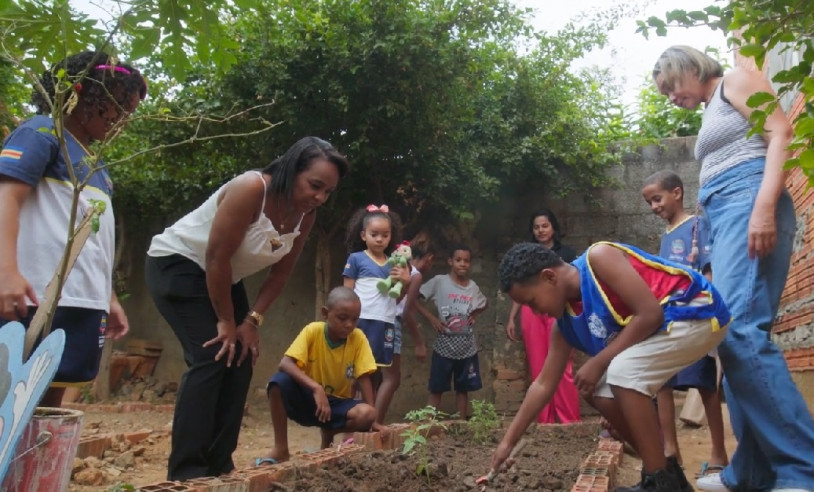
{"x": 679, "y": 60}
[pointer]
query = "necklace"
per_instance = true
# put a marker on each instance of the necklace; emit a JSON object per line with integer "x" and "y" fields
{"x": 284, "y": 218}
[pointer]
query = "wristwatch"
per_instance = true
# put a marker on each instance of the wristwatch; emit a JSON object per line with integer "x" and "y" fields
{"x": 257, "y": 317}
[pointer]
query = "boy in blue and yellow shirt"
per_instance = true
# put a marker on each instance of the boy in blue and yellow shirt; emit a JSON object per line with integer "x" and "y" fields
{"x": 686, "y": 241}
{"x": 315, "y": 383}
{"x": 639, "y": 317}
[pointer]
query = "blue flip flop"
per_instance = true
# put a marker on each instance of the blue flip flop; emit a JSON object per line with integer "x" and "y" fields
{"x": 265, "y": 461}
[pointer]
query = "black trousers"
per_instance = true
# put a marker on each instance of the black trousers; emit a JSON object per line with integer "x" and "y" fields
{"x": 211, "y": 397}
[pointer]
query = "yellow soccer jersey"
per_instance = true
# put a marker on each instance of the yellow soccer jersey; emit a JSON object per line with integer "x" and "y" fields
{"x": 333, "y": 366}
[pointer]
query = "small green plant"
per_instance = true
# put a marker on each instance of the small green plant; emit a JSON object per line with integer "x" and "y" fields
{"x": 483, "y": 422}
{"x": 122, "y": 487}
{"x": 415, "y": 437}
{"x": 86, "y": 393}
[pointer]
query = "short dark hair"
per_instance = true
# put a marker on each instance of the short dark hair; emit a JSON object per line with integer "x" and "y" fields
{"x": 459, "y": 247}
{"x": 340, "y": 294}
{"x": 667, "y": 180}
{"x": 298, "y": 158}
{"x": 524, "y": 261}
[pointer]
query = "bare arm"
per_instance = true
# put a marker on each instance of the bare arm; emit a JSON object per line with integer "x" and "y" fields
{"x": 238, "y": 207}
{"x": 289, "y": 366}
{"x": 14, "y": 289}
{"x": 739, "y": 85}
{"x": 538, "y": 395}
{"x": 436, "y": 323}
{"x": 511, "y": 329}
{"x": 408, "y": 316}
{"x": 366, "y": 388}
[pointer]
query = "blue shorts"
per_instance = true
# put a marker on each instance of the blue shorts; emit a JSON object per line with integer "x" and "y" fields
{"x": 397, "y": 330}
{"x": 301, "y": 407}
{"x": 381, "y": 336}
{"x": 464, "y": 372}
{"x": 701, "y": 374}
{"x": 84, "y": 340}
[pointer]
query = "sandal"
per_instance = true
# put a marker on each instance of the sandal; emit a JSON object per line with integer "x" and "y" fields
{"x": 707, "y": 469}
{"x": 265, "y": 461}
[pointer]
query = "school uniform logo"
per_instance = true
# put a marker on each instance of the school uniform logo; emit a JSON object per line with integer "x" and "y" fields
{"x": 349, "y": 371}
{"x": 596, "y": 327}
{"x": 677, "y": 247}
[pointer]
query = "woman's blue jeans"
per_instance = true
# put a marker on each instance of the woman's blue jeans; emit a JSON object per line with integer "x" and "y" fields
{"x": 770, "y": 420}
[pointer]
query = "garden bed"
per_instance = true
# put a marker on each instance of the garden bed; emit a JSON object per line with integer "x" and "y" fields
{"x": 549, "y": 462}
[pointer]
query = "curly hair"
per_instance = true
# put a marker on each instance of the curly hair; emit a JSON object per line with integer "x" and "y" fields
{"x": 360, "y": 219}
{"x": 98, "y": 79}
{"x": 299, "y": 157}
{"x": 524, "y": 261}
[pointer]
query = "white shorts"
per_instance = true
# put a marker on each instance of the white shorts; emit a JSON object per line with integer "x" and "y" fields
{"x": 646, "y": 366}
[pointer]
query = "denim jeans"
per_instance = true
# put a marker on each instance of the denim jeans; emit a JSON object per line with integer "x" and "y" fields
{"x": 770, "y": 420}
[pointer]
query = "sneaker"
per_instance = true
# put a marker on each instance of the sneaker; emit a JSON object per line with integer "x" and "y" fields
{"x": 675, "y": 469}
{"x": 711, "y": 483}
{"x": 660, "y": 481}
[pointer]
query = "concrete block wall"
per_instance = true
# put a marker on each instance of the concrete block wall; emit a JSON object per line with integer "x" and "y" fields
{"x": 619, "y": 214}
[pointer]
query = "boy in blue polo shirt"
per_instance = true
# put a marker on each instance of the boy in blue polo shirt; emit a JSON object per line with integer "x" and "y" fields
{"x": 686, "y": 241}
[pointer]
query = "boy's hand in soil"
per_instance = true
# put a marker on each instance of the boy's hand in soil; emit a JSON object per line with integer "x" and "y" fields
{"x": 323, "y": 412}
{"x": 500, "y": 459}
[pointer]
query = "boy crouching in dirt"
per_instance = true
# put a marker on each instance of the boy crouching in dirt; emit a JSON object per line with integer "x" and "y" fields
{"x": 314, "y": 385}
{"x": 639, "y": 317}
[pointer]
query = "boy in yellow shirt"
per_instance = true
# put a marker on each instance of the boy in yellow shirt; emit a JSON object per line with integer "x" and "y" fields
{"x": 315, "y": 383}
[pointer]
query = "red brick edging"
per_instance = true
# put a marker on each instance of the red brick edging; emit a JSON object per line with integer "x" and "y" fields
{"x": 598, "y": 471}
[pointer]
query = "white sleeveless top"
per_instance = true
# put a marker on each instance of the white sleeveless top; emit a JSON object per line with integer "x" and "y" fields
{"x": 262, "y": 245}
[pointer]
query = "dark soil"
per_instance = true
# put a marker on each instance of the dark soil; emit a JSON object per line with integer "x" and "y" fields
{"x": 549, "y": 462}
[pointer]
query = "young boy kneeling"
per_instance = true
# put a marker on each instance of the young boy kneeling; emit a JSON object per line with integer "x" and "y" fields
{"x": 314, "y": 386}
{"x": 640, "y": 317}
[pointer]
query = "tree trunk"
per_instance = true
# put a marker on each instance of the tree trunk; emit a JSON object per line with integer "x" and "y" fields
{"x": 322, "y": 269}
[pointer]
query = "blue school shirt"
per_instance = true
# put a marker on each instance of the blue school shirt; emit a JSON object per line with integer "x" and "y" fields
{"x": 367, "y": 273}
{"x": 592, "y": 329}
{"x": 31, "y": 154}
{"x": 676, "y": 243}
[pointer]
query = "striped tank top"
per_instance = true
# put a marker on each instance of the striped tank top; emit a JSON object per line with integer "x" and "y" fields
{"x": 722, "y": 142}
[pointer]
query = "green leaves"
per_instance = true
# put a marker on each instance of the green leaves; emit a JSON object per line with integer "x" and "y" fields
{"x": 758, "y": 99}
{"x": 178, "y": 32}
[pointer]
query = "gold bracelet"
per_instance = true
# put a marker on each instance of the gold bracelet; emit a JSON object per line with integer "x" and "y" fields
{"x": 257, "y": 317}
